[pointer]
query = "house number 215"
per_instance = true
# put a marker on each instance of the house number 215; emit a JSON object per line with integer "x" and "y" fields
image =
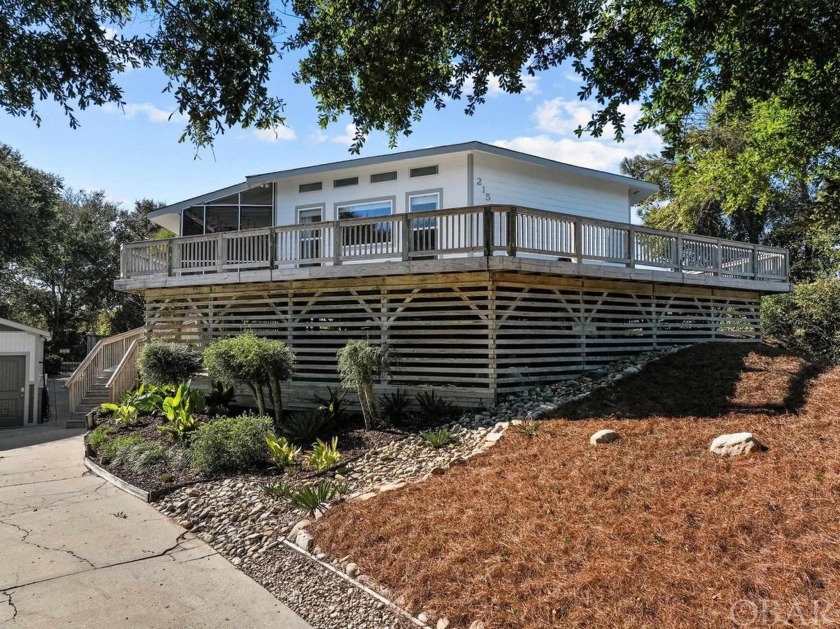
{"x": 483, "y": 189}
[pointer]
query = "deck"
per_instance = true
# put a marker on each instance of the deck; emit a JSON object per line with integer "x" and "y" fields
{"x": 450, "y": 241}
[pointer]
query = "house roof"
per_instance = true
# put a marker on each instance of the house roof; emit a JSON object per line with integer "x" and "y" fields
{"x": 8, "y": 323}
{"x": 252, "y": 181}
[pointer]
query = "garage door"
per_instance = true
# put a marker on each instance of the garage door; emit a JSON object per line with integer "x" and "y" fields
{"x": 12, "y": 387}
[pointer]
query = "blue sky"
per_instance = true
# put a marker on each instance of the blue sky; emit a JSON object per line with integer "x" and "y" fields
{"x": 136, "y": 154}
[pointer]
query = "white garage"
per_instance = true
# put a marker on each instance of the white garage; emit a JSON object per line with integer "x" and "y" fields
{"x": 21, "y": 373}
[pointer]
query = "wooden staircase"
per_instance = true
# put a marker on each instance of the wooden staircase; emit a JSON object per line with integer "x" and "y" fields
{"x": 105, "y": 373}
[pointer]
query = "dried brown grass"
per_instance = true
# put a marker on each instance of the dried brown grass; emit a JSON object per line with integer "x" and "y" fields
{"x": 652, "y": 531}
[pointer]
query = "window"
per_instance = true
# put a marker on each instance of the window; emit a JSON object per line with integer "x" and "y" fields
{"x": 310, "y": 187}
{"x": 368, "y": 233}
{"x": 347, "y": 181}
{"x": 250, "y": 209}
{"x": 380, "y": 177}
{"x": 193, "y": 221}
{"x": 424, "y": 171}
{"x": 424, "y": 202}
{"x": 365, "y": 210}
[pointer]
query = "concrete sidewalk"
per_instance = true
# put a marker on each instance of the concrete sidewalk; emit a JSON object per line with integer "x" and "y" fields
{"x": 75, "y": 551}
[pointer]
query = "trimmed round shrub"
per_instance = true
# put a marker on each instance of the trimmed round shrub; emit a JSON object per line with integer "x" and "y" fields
{"x": 806, "y": 319}
{"x": 230, "y": 445}
{"x": 161, "y": 363}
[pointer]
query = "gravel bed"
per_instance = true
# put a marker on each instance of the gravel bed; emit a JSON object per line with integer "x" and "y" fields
{"x": 239, "y": 520}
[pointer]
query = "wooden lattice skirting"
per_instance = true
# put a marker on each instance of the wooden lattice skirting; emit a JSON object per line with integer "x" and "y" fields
{"x": 471, "y": 336}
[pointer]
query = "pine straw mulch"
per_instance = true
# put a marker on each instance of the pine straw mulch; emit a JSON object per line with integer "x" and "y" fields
{"x": 652, "y": 531}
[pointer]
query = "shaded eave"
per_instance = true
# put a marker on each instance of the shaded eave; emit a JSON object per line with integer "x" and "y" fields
{"x": 24, "y": 328}
{"x": 639, "y": 189}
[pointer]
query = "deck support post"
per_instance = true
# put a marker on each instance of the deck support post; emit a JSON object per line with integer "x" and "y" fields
{"x": 488, "y": 231}
{"x": 511, "y": 231}
{"x": 406, "y": 238}
{"x": 631, "y": 246}
{"x": 336, "y": 243}
{"x": 578, "y": 243}
{"x": 169, "y": 252}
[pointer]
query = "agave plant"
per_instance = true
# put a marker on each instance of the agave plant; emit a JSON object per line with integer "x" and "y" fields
{"x": 310, "y": 498}
{"x": 438, "y": 438}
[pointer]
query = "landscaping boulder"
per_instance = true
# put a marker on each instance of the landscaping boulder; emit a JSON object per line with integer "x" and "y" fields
{"x": 304, "y": 540}
{"x": 604, "y": 436}
{"x": 297, "y": 528}
{"x": 736, "y": 444}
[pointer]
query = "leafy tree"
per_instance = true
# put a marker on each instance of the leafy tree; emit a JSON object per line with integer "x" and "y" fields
{"x": 28, "y": 200}
{"x": 359, "y": 364}
{"x": 65, "y": 284}
{"x": 255, "y": 362}
{"x": 125, "y": 311}
{"x": 670, "y": 56}
{"x": 216, "y": 56}
{"x": 748, "y": 179}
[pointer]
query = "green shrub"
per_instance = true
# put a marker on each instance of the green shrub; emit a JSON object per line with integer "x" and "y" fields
{"x": 53, "y": 364}
{"x": 438, "y": 438}
{"x": 125, "y": 414}
{"x": 435, "y": 408}
{"x": 142, "y": 455}
{"x": 161, "y": 363}
{"x": 282, "y": 452}
{"x": 310, "y": 498}
{"x": 334, "y": 406}
{"x": 304, "y": 428}
{"x": 394, "y": 407}
{"x": 111, "y": 450}
{"x": 359, "y": 363}
{"x": 806, "y": 320}
{"x": 232, "y": 444}
{"x": 255, "y": 362}
{"x": 178, "y": 408}
{"x": 149, "y": 398}
{"x": 99, "y": 436}
{"x": 219, "y": 399}
{"x": 324, "y": 455}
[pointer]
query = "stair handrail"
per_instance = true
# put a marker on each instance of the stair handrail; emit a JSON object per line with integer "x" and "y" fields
{"x": 125, "y": 371}
{"x": 82, "y": 379}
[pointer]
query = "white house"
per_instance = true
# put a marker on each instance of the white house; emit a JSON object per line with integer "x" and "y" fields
{"x": 485, "y": 269}
{"x": 455, "y": 176}
{"x": 21, "y": 373}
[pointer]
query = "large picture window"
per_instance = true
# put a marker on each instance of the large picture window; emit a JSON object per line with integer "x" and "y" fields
{"x": 373, "y": 232}
{"x": 250, "y": 209}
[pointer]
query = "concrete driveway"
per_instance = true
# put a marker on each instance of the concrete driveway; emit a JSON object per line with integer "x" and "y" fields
{"x": 75, "y": 551}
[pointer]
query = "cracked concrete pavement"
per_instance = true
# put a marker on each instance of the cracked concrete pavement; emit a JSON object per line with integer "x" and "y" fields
{"x": 76, "y": 551}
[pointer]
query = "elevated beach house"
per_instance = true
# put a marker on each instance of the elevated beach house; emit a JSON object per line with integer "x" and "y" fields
{"x": 486, "y": 270}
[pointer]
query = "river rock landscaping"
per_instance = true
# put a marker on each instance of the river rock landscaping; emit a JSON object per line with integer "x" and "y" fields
{"x": 251, "y": 528}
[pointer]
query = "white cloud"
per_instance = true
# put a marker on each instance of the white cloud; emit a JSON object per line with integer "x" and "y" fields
{"x": 556, "y": 120}
{"x": 587, "y": 153}
{"x": 152, "y": 112}
{"x": 278, "y": 133}
{"x": 345, "y": 138}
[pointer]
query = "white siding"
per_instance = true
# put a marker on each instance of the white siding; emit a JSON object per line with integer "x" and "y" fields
{"x": 451, "y": 180}
{"x": 500, "y": 180}
{"x": 24, "y": 343}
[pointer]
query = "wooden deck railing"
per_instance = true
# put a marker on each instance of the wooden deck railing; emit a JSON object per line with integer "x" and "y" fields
{"x": 92, "y": 372}
{"x": 472, "y": 231}
{"x": 125, "y": 374}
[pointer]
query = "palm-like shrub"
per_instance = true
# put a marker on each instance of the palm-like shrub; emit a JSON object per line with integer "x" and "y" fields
{"x": 255, "y": 362}
{"x": 163, "y": 363}
{"x": 359, "y": 364}
{"x": 310, "y": 498}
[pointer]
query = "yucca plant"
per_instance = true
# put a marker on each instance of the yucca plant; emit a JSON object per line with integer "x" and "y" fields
{"x": 304, "y": 428}
{"x": 125, "y": 414}
{"x": 283, "y": 453}
{"x": 433, "y": 407}
{"x": 394, "y": 407}
{"x": 438, "y": 438}
{"x": 359, "y": 364}
{"x": 333, "y": 406}
{"x": 324, "y": 455}
{"x": 310, "y": 498}
{"x": 529, "y": 427}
